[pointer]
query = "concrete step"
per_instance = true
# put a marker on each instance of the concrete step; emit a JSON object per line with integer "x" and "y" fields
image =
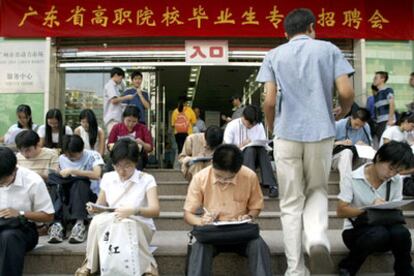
{"x": 166, "y": 174}
{"x": 176, "y": 175}
{"x": 175, "y": 187}
{"x": 64, "y": 258}
{"x": 267, "y": 221}
{"x": 175, "y": 203}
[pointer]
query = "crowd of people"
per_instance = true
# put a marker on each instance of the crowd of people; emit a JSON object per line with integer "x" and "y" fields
{"x": 94, "y": 184}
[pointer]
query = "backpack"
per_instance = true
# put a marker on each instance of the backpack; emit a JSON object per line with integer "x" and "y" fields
{"x": 181, "y": 124}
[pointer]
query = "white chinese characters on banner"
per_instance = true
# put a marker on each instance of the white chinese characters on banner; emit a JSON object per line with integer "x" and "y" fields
{"x": 206, "y": 51}
{"x": 23, "y": 66}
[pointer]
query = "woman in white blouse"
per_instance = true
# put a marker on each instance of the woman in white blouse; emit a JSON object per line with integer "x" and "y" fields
{"x": 24, "y": 121}
{"x": 399, "y": 132}
{"x": 53, "y": 130}
{"x": 24, "y": 200}
{"x": 93, "y": 136}
{"x": 134, "y": 196}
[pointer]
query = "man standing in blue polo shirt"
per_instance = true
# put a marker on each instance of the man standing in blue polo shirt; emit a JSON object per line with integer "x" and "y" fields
{"x": 140, "y": 98}
{"x": 302, "y": 76}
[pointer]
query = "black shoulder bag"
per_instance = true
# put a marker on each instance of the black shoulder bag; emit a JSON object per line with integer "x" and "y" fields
{"x": 375, "y": 217}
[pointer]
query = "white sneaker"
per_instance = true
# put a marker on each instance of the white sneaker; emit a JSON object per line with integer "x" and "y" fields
{"x": 78, "y": 234}
{"x": 55, "y": 233}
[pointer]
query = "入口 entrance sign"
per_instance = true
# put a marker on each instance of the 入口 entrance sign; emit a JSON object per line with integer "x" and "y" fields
{"x": 208, "y": 51}
{"x": 370, "y": 19}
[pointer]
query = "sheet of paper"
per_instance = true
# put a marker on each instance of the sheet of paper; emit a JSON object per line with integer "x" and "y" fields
{"x": 199, "y": 159}
{"x": 231, "y": 222}
{"x": 258, "y": 143}
{"x": 389, "y": 205}
{"x": 101, "y": 207}
{"x": 365, "y": 151}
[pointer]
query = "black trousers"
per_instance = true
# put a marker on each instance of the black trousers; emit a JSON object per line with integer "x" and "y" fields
{"x": 254, "y": 157}
{"x": 69, "y": 196}
{"x": 14, "y": 243}
{"x": 365, "y": 241}
{"x": 180, "y": 139}
{"x": 257, "y": 251}
{"x": 379, "y": 130}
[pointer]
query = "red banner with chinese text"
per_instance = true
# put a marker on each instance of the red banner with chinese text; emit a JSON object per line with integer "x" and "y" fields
{"x": 370, "y": 19}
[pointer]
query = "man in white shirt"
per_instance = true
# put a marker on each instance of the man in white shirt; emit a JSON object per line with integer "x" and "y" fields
{"x": 23, "y": 199}
{"x": 113, "y": 99}
{"x": 245, "y": 130}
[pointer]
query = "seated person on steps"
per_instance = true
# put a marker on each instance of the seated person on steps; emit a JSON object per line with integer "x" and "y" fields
{"x": 241, "y": 132}
{"x": 199, "y": 145}
{"x": 24, "y": 200}
{"x": 76, "y": 184}
{"x": 368, "y": 186}
{"x": 214, "y": 189}
{"x": 349, "y": 132}
{"x": 134, "y": 195}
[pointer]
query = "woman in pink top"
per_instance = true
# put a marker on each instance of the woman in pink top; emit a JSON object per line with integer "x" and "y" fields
{"x": 130, "y": 128}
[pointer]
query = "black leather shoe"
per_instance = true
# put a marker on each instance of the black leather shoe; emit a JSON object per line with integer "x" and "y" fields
{"x": 344, "y": 272}
{"x": 273, "y": 192}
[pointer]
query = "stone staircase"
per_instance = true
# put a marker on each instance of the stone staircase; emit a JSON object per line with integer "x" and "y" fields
{"x": 171, "y": 238}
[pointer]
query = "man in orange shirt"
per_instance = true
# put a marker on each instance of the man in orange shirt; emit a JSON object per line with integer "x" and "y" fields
{"x": 226, "y": 191}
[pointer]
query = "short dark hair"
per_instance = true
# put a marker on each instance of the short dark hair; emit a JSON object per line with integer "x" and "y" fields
{"x": 298, "y": 21}
{"x": 26, "y": 139}
{"x": 227, "y": 157}
{"x": 131, "y": 110}
{"x": 383, "y": 74}
{"x": 117, "y": 71}
{"x": 398, "y": 154}
{"x": 8, "y": 162}
{"x": 362, "y": 114}
{"x": 412, "y": 74}
{"x": 125, "y": 149}
{"x": 406, "y": 116}
{"x": 252, "y": 114}
{"x": 136, "y": 73}
{"x": 213, "y": 136}
{"x": 72, "y": 144}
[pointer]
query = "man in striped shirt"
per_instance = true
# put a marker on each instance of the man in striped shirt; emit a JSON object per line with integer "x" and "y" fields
{"x": 384, "y": 103}
{"x": 33, "y": 157}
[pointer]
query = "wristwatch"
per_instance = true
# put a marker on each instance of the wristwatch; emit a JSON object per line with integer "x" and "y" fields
{"x": 21, "y": 213}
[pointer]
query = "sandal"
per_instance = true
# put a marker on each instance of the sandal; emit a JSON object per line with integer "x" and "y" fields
{"x": 83, "y": 270}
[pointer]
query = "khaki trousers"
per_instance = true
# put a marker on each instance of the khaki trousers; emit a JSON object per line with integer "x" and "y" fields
{"x": 303, "y": 171}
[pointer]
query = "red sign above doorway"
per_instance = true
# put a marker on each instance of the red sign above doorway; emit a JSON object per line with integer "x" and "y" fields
{"x": 371, "y": 19}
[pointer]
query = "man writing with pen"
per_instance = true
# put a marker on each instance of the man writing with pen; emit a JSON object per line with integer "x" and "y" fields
{"x": 227, "y": 191}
